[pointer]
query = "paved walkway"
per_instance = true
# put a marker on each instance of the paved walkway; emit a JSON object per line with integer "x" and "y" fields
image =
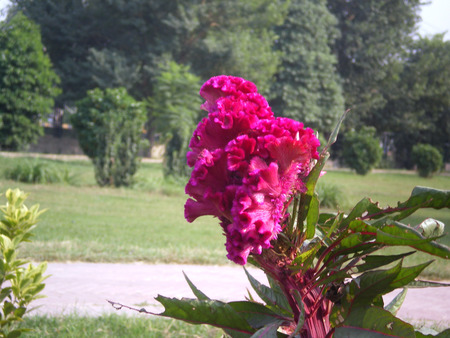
{"x": 84, "y": 288}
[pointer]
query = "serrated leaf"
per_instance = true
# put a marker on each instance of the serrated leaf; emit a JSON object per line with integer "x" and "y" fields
{"x": 397, "y": 302}
{"x": 212, "y": 312}
{"x": 199, "y": 294}
{"x": 424, "y": 197}
{"x": 373, "y": 322}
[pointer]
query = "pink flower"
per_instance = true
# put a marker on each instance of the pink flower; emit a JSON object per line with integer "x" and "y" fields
{"x": 246, "y": 165}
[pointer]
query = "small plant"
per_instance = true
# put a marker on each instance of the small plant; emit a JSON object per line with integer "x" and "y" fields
{"x": 361, "y": 150}
{"x": 38, "y": 172}
{"x": 427, "y": 158}
{"x": 20, "y": 285}
{"x": 109, "y": 127}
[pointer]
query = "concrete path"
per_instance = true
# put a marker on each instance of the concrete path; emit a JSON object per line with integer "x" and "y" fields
{"x": 84, "y": 288}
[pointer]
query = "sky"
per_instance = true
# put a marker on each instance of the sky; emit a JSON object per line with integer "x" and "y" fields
{"x": 435, "y": 17}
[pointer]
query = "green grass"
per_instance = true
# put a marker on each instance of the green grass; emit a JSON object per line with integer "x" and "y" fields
{"x": 146, "y": 223}
{"x": 114, "y": 325}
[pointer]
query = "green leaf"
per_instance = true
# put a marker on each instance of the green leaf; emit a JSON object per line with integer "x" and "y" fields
{"x": 369, "y": 285}
{"x": 211, "y": 312}
{"x": 312, "y": 217}
{"x": 399, "y": 234}
{"x": 376, "y": 261}
{"x": 273, "y": 297}
{"x": 373, "y": 322}
{"x": 333, "y": 137}
{"x": 200, "y": 295}
{"x": 269, "y": 331}
{"x": 257, "y": 315}
{"x": 397, "y": 302}
{"x": 424, "y": 197}
{"x": 407, "y": 275}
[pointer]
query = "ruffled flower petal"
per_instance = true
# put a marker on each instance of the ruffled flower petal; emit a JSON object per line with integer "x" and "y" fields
{"x": 246, "y": 165}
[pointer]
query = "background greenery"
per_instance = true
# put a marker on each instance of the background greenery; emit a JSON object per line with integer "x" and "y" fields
{"x": 144, "y": 223}
{"x": 311, "y": 59}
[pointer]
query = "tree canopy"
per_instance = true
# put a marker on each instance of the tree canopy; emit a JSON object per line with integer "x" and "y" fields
{"x": 307, "y": 87}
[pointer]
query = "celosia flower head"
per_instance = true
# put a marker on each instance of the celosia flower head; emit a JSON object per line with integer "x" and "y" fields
{"x": 246, "y": 165}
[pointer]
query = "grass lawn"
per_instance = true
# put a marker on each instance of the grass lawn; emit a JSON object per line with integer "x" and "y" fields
{"x": 115, "y": 325}
{"x": 146, "y": 223}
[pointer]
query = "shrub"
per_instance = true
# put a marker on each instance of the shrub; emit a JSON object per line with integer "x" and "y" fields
{"x": 19, "y": 285}
{"x": 109, "y": 127}
{"x": 330, "y": 196}
{"x": 361, "y": 150}
{"x": 38, "y": 172}
{"x": 427, "y": 158}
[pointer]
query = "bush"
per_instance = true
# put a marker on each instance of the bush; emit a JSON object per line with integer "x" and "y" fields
{"x": 37, "y": 172}
{"x": 19, "y": 285}
{"x": 427, "y": 158}
{"x": 361, "y": 150}
{"x": 109, "y": 126}
{"x": 330, "y": 196}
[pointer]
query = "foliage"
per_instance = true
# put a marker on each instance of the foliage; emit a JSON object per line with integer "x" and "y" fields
{"x": 38, "y": 172}
{"x": 109, "y": 126}
{"x": 19, "y": 285}
{"x": 361, "y": 150}
{"x": 326, "y": 278}
{"x": 427, "y": 158}
{"x": 307, "y": 87}
{"x": 116, "y": 43}
{"x": 418, "y": 102}
{"x": 27, "y": 83}
{"x": 174, "y": 113}
{"x": 373, "y": 35}
{"x": 233, "y": 37}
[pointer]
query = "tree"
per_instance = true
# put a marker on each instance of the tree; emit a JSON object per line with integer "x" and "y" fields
{"x": 174, "y": 109}
{"x": 417, "y": 109}
{"x": 109, "y": 128}
{"x": 95, "y": 43}
{"x": 232, "y": 37}
{"x": 373, "y": 34}
{"x": 307, "y": 87}
{"x": 109, "y": 43}
{"x": 28, "y": 85}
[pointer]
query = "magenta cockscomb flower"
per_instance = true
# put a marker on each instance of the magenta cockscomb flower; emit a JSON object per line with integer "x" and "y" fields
{"x": 246, "y": 165}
